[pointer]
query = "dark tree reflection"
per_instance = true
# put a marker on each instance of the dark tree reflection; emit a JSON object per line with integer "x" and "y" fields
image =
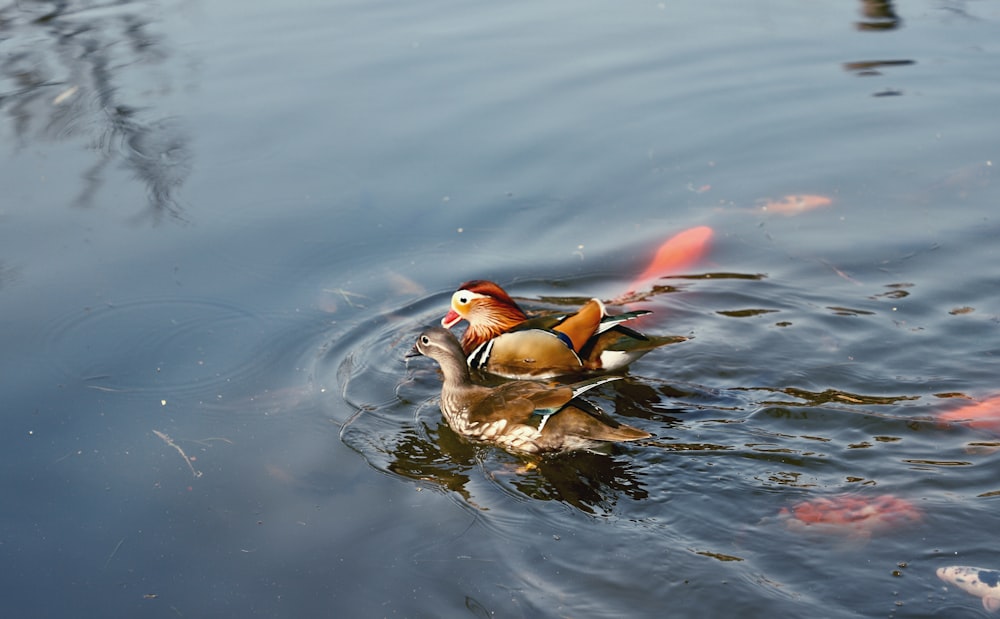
{"x": 879, "y": 15}
{"x": 68, "y": 71}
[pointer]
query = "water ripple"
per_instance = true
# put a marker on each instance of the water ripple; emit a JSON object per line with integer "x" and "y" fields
{"x": 170, "y": 346}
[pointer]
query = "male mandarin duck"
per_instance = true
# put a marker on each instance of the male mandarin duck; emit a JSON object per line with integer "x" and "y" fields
{"x": 520, "y": 416}
{"x": 501, "y": 339}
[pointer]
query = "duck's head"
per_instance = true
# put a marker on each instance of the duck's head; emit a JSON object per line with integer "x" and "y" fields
{"x": 485, "y": 305}
{"x": 437, "y": 343}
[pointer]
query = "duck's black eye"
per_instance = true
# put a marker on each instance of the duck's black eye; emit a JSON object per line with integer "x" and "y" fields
{"x": 425, "y": 340}
{"x": 464, "y": 300}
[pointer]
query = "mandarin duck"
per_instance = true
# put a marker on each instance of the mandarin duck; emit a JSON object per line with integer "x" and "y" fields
{"x": 521, "y": 416}
{"x": 501, "y": 339}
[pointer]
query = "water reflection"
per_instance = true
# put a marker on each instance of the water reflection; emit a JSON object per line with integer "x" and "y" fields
{"x": 61, "y": 79}
{"x": 878, "y": 15}
{"x": 7, "y": 274}
{"x": 867, "y": 68}
{"x": 829, "y": 396}
{"x": 590, "y": 482}
{"x": 443, "y": 460}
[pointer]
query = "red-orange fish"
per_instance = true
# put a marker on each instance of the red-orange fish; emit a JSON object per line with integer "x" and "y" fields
{"x": 677, "y": 253}
{"x": 851, "y": 515}
{"x": 794, "y": 204}
{"x": 983, "y": 415}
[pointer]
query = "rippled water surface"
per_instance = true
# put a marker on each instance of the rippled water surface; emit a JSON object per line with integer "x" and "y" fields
{"x": 223, "y": 225}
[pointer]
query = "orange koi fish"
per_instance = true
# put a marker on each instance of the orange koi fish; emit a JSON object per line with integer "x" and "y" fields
{"x": 678, "y": 252}
{"x": 851, "y": 516}
{"x": 983, "y": 415}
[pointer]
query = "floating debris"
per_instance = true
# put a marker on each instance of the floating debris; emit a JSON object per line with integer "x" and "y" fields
{"x": 187, "y": 459}
{"x": 65, "y": 95}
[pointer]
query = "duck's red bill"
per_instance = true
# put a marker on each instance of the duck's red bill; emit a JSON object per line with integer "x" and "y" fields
{"x": 451, "y": 319}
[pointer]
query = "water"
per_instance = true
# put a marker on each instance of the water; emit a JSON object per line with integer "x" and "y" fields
{"x": 223, "y": 226}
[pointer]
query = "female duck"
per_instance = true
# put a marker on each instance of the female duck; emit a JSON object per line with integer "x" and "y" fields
{"x": 520, "y": 416}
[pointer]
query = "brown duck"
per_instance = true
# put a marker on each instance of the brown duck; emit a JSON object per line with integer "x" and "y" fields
{"x": 501, "y": 339}
{"x": 520, "y": 416}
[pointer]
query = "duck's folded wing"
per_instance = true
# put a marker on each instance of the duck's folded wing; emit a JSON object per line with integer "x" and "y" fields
{"x": 527, "y": 353}
{"x": 519, "y": 401}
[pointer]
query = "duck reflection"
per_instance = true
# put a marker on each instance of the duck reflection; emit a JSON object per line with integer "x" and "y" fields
{"x": 61, "y": 78}
{"x": 440, "y": 457}
{"x": 589, "y": 481}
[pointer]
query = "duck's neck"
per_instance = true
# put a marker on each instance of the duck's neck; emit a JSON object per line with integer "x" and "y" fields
{"x": 455, "y": 370}
{"x": 491, "y": 321}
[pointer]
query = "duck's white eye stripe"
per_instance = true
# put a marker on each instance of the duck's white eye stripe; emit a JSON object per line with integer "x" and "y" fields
{"x": 464, "y": 297}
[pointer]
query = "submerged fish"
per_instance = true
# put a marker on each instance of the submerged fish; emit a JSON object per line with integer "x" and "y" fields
{"x": 982, "y": 415}
{"x": 677, "y": 253}
{"x": 979, "y": 581}
{"x": 794, "y": 204}
{"x": 856, "y": 517}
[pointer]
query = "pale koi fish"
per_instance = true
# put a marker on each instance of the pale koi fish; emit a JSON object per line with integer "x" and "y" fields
{"x": 794, "y": 204}
{"x": 979, "y": 581}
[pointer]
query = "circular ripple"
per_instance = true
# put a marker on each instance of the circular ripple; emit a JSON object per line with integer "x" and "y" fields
{"x": 386, "y": 405}
{"x": 175, "y": 346}
{"x": 369, "y": 361}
